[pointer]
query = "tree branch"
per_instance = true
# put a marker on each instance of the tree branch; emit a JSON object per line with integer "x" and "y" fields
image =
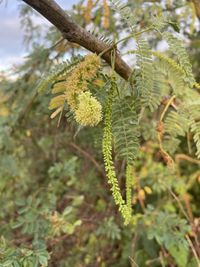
{"x": 76, "y": 34}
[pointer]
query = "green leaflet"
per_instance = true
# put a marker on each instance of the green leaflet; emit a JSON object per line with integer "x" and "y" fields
{"x": 125, "y": 12}
{"x": 194, "y": 116}
{"x": 150, "y": 96}
{"x": 171, "y": 75}
{"x": 176, "y": 124}
{"x": 176, "y": 46}
{"x": 125, "y": 128}
{"x": 185, "y": 119}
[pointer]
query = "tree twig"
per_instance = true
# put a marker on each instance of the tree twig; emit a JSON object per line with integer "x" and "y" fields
{"x": 193, "y": 250}
{"x": 88, "y": 156}
{"x": 179, "y": 157}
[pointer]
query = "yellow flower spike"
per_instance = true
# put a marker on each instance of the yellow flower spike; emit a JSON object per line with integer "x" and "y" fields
{"x": 106, "y": 13}
{"x": 73, "y": 85}
{"x": 88, "y": 10}
{"x": 78, "y": 81}
{"x": 59, "y": 87}
{"x": 148, "y": 190}
{"x": 57, "y": 102}
{"x": 88, "y": 111}
{"x": 99, "y": 82}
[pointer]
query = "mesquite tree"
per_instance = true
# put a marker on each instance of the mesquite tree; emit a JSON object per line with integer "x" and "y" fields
{"x": 136, "y": 108}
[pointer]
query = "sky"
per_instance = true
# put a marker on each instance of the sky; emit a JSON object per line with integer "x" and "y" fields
{"x": 12, "y": 49}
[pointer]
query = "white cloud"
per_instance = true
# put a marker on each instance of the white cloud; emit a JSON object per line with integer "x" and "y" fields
{"x": 11, "y": 62}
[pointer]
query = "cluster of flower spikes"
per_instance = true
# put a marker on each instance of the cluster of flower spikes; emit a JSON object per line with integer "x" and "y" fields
{"x": 87, "y": 109}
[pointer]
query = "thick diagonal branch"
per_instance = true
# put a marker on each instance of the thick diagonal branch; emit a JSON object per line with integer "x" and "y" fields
{"x": 76, "y": 34}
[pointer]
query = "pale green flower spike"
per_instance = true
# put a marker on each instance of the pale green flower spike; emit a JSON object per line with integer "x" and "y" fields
{"x": 88, "y": 111}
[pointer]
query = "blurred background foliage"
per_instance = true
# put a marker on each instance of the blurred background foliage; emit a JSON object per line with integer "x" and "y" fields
{"x": 56, "y": 208}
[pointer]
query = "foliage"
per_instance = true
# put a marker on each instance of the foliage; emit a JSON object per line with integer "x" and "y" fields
{"x": 56, "y": 206}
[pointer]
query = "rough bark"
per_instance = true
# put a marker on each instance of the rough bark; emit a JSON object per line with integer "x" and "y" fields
{"x": 76, "y": 34}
